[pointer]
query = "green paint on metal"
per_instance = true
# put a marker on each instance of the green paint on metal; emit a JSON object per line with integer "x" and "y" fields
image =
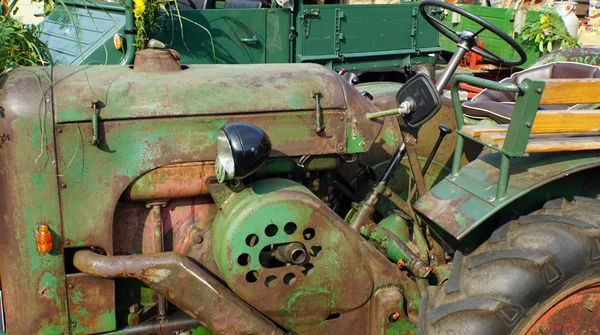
{"x": 348, "y": 36}
{"x": 51, "y": 330}
{"x": 356, "y": 142}
{"x": 503, "y": 18}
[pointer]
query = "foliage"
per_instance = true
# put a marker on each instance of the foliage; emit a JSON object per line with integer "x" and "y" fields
{"x": 20, "y": 45}
{"x": 550, "y": 29}
{"x": 145, "y": 13}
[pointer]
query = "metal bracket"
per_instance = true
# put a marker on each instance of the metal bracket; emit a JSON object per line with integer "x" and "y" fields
{"x": 306, "y": 16}
{"x": 339, "y": 36}
{"x": 95, "y": 116}
{"x": 319, "y": 123}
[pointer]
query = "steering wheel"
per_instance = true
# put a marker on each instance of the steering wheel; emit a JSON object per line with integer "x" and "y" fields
{"x": 467, "y": 39}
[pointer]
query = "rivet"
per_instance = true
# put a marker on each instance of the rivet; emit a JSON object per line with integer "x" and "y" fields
{"x": 355, "y": 121}
{"x": 70, "y": 286}
{"x": 528, "y": 124}
{"x": 543, "y": 328}
{"x": 68, "y": 243}
{"x": 63, "y": 185}
{"x": 341, "y": 147}
{"x": 59, "y": 130}
{"x": 588, "y": 304}
{"x": 538, "y": 90}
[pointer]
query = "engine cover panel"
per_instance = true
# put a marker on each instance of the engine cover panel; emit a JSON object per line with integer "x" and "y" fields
{"x": 271, "y": 213}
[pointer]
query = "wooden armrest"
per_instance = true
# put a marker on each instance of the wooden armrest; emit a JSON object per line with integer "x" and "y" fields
{"x": 571, "y": 91}
{"x": 548, "y": 121}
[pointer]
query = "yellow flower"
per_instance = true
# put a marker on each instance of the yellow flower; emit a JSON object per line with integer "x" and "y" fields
{"x": 543, "y": 19}
{"x": 140, "y": 8}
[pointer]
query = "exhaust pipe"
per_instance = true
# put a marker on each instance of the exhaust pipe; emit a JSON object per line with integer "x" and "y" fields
{"x": 186, "y": 285}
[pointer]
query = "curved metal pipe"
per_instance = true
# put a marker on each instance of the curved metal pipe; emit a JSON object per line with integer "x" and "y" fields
{"x": 186, "y": 285}
{"x": 129, "y": 34}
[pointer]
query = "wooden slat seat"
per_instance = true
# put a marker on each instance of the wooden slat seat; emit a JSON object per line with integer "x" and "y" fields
{"x": 555, "y": 130}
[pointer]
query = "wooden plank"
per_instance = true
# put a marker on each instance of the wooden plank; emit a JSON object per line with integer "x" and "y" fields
{"x": 497, "y": 138}
{"x": 571, "y": 91}
{"x": 476, "y": 130}
{"x": 563, "y": 144}
{"x": 553, "y": 121}
{"x": 549, "y": 121}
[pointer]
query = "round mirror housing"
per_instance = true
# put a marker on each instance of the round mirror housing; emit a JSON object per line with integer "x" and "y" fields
{"x": 241, "y": 150}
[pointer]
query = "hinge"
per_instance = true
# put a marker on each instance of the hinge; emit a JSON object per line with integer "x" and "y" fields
{"x": 95, "y": 120}
{"x": 319, "y": 124}
{"x": 339, "y": 36}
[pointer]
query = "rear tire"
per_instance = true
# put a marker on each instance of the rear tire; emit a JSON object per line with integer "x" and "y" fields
{"x": 508, "y": 282}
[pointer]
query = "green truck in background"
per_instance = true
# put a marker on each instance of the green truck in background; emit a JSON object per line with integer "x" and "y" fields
{"x": 507, "y": 19}
{"x": 375, "y": 42}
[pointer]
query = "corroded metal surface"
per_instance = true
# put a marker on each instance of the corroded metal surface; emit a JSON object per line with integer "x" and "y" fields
{"x": 173, "y": 181}
{"x": 460, "y": 203}
{"x": 186, "y": 285}
{"x": 577, "y": 313}
{"x": 277, "y": 212}
{"x": 91, "y": 304}
{"x": 157, "y": 60}
{"x": 130, "y": 148}
{"x": 33, "y": 284}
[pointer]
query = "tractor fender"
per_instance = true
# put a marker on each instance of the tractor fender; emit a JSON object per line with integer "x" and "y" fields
{"x": 461, "y": 202}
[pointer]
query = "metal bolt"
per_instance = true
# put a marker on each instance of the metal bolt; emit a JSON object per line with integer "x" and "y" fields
{"x": 388, "y": 193}
{"x": 342, "y": 118}
{"x": 353, "y": 135}
{"x": 198, "y": 239}
{"x": 544, "y": 328}
{"x": 68, "y": 243}
{"x": 73, "y": 325}
{"x": 134, "y": 308}
{"x": 59, "y": 130}
{"x": 53, "y": 162}
{"x": 354, "y": 120}
{"x": 63, "y": 185}
{"x": 538, "y": 90}
{"x": 341, "y": 147}
{"x": 70, "y": 286}
{"x": 528, "y": 124}
{"x": 589, "y": 305}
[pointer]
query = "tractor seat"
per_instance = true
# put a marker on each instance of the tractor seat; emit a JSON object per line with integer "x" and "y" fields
{"x": 498, "y": 106}
{"x": 243, "y": 4}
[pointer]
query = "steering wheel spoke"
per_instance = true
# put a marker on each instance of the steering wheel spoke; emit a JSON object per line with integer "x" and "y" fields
{"x": 468, "y": 41}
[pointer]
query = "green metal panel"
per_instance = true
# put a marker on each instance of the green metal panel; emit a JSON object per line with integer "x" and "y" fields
{"x": 279, "y": 44}
{"x": 460, "y": 203}
{"x": 77, "y": 33}
{"x": 239, "y": 35}
{"x": 355, "y": 34}
{"x": 502, "y": 18}
{"x": 33, "y": 284}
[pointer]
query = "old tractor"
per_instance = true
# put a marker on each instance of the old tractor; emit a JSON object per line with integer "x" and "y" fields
{"x": 203, "y": 199}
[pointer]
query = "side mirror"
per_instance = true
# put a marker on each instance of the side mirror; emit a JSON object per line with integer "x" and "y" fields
{"x": 420, "y": 94}
{"x": 241, "y": 150}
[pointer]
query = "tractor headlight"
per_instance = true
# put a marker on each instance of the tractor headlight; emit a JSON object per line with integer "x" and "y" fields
{"x": 241, "y": 150}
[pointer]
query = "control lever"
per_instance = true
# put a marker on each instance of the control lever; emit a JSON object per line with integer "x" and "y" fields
{"x": 444, "y": 130}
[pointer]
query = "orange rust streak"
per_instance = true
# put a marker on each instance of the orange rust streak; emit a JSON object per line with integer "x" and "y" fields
{"x": 173, "y": 181}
